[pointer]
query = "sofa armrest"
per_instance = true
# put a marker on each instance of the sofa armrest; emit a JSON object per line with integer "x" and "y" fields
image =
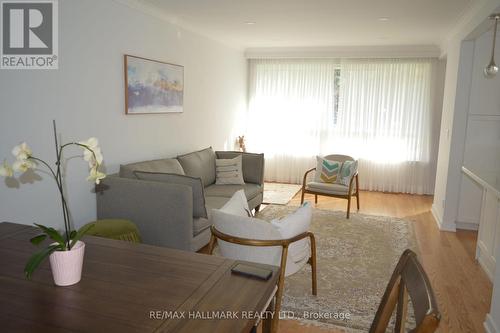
{"x": 163, "y": 212}
{"x": 253, "y": 165}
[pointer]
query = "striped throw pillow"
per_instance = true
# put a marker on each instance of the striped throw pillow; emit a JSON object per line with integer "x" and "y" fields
{"x": 327, "y": 171}
{"x": 229, "y": 171}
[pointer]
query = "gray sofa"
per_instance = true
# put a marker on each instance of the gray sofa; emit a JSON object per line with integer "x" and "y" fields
{"x": 163, "y": 211}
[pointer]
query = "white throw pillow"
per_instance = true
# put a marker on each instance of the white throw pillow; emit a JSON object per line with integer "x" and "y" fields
{"x": 295, "y": 224}
{"x": 229, "y": 171}
{"x": 237, "y": 205}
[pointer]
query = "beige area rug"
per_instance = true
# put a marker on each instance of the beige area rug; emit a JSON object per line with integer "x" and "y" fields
{"x": 279, "y": 194}
{"x": 355, "y": 259}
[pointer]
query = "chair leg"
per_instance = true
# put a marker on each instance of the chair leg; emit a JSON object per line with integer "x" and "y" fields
{"x": 312, "y": 262}
{"x": 302, "y": 197}
{"x": 315, "y": 198}
{"x": 357, "y": 191}
{"x": 348, "y": 205}
{"x": 279, "y": 293}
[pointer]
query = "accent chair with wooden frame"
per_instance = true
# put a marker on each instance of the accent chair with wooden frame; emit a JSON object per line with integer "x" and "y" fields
{"x": 333, "y": 190}
{"x": 408, "y": 280}
{"x": 284, "y": 243}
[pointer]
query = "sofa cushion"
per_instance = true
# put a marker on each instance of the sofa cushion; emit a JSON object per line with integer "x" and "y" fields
{"x": 199, "y": 209}
{"x": 166, "y": 165}
{"x": 251, "y": 190}
{"x": 214, "y": 203}
{"x": 253, "y": 165}
{"x": 199, "y": 164}
{"x": 229, "y": 171}
{"x": 200, "y": 224}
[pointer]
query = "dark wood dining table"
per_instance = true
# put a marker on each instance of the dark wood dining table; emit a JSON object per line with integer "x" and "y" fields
{"x": 127, "y": 287}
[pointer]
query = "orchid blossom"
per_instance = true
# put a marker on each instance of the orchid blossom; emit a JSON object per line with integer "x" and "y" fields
{"x": 6, "y": 170}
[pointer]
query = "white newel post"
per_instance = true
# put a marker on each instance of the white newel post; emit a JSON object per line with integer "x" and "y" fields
{"x": 492, "y": 323}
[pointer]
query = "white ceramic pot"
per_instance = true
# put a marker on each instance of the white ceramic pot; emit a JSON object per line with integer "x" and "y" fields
{"x": 67, "y": 265}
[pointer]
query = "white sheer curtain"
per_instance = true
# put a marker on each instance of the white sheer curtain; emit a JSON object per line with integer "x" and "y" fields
{"x": 291, "y": 109}
{"x": 383, "y": 118}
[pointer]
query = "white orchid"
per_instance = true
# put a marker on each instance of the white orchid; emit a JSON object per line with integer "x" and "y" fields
{"x": 91, "y": 142}
{"x": 92, "y": 152}
{"x": 6, "y": 170}
{"x": 98, "y": 157}
{"x": 23, "y": 165}
{"x": 25, "y": 160}
{"x": 96, "y": 176}
{"x": 22, "y": 151}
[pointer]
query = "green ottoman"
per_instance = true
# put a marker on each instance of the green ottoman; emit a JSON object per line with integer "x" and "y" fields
{"x": 116, "y": 229}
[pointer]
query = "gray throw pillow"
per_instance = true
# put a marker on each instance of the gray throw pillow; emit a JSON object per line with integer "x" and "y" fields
{"x": 199, "y": 164}
{"x": 196, "y": 184}
{"x": 165, "y": 165}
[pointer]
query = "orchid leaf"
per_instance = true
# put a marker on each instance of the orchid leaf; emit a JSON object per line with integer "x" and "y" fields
{"x": 37, "y": 258}
{"x": 53, "y": 234}
{"x": 82, "y": 231}
{"x": 38, "y": 239}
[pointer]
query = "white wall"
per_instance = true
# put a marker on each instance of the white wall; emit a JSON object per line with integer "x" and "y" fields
{"x": 86, "y": 97}
{"x": 459, "y": 67}
{"x": 453, "y": 122}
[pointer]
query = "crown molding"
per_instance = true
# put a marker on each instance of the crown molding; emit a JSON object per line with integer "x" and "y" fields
{"x": 376, "y": 51}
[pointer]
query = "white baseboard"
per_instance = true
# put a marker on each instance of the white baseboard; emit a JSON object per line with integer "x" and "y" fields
{"x": 489, "y": 325}
{"x": 435, "y": 215}
{"x": 467, "y": 225}
{"x": 439, "y": 222}
{"x": 486, "y": 261}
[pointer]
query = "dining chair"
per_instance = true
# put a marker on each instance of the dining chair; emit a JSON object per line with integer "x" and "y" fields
{"x": 408, "y": 281}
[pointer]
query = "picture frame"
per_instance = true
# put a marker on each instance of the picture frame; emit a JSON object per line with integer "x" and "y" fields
{"x": 152, "y": 86}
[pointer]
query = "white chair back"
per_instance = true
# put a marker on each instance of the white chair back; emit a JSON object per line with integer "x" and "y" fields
{"x": 250, "y": 228}
{"x": 338, "y": 158}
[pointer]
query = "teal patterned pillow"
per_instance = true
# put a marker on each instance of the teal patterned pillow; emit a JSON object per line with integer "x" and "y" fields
{"x": 348, "y": 169}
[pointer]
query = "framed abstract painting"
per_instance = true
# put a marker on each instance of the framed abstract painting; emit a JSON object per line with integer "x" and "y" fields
{"x": 152, "y": 87}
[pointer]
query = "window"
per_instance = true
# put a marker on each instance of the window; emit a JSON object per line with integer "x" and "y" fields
{"x": 377, "y": 110}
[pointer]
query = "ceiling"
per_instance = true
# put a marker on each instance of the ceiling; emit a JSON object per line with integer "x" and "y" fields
{"x": 306, "y": 23}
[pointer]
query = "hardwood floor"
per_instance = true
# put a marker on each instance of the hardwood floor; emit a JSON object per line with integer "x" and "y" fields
{"x": 462, "y": 288}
